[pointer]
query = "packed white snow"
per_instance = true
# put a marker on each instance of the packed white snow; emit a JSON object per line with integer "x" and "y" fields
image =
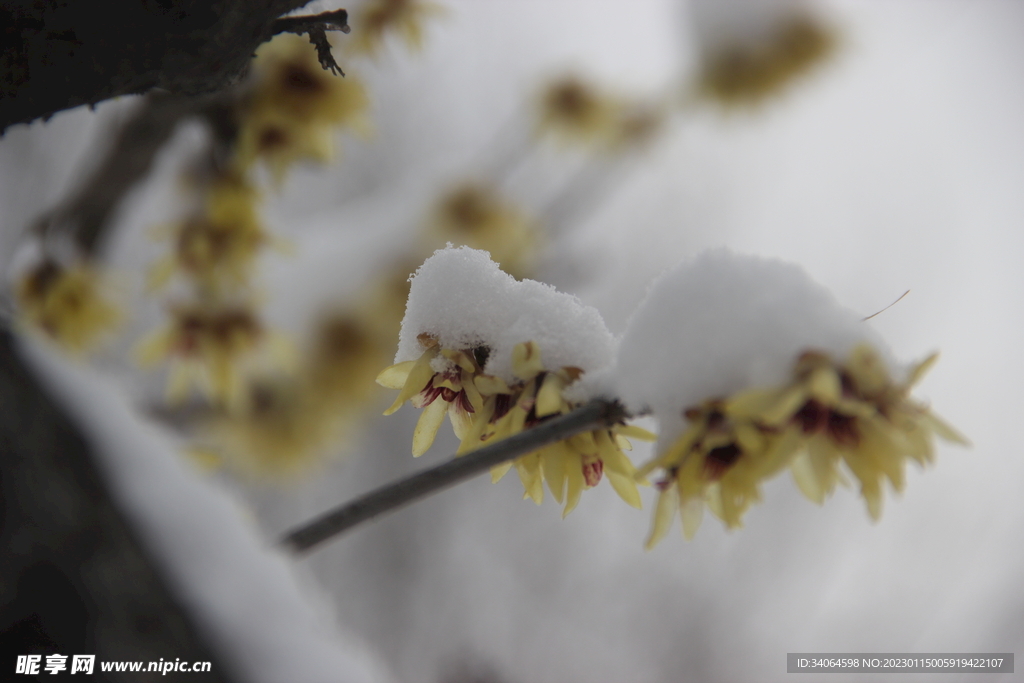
{"x": 463, "y": 299}
{"x": 724, "y": 322}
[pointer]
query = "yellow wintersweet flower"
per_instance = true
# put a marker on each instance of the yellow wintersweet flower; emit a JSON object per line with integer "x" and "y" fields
{"x": 67, "y": 304}
{"x": 443, "y": 374}
{"x": 720, "y": 460}
{"x": 474, "y": 215}
{"x": 347, "y": 349}
{"x": 569, "y": 466}
{"x": 209, "y": 346}
{"x": 860, "y": 416}
{"x": 217, "y": 247}
{"x": 294, "y": 106}
{"x": 375, "y": 19}
{"x": 747, "y": 72}
{"x": 830, "y": 413}
{"x": 280, "y": 142}
{"x": 290, "y": 81}
{"x": 279, "y": 428}
{"x": 484, "y": 409}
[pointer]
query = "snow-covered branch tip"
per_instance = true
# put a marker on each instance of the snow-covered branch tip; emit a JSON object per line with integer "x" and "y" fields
{"x": 591, "y": 416}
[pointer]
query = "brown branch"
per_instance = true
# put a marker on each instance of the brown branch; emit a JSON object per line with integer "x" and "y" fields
{"x": 593, "y": 415}
{"x": 64, "y": 53}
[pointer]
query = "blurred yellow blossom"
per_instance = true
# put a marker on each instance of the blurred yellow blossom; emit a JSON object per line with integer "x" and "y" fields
{"x": 749, "y": 71}
{"x": 294, "y": 107}
{"x": 375, "y": 19}
{"x": 67, "y": 303}
{"x": 218, "y": 246}
{"x": 210, "y": 346}
{"x": 474, "y": 215}
{"x": 830, "y": 413}
{"x": 279, "y": 427}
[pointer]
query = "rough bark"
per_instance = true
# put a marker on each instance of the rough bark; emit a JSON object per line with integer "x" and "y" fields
{"x": 58, "y": 54}
{"x": 73, "y": 578}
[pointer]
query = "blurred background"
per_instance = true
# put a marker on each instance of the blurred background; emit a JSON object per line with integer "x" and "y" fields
{"x": 893, "y": 162}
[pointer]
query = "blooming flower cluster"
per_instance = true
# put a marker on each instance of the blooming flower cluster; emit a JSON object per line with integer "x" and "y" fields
{"x": 830, "y": 413}
{"x": 484, "y": 408}
{"x": 765, "y": 372}
{"x": 770, "y": 374}
{"x": 484, "y": 369}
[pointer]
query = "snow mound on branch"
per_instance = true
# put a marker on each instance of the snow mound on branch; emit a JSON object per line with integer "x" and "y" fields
{"x": 461, "y": 297}
{"x": 725, "y": 322}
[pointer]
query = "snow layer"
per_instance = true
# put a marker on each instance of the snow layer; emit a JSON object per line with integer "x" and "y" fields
{"x": 461, "y": 297}
{"x": 724, "y": 322}
{"x": 243, "y": 594}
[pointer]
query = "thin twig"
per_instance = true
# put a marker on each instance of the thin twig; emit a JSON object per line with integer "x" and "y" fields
{"x": 316, "y": 26}
{"x": 593, "y": 415}
{"x": 887, "y": 307}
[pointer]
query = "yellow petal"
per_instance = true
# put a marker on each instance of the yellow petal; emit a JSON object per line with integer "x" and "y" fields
{"x": 395, "y": 376}
{"x": 154, "y": 348}
{"x": 419, "y": 376}
{"x": 488, "y": 385}
{"x": 664, "y": 513}
{"x": 675, "y": 455}
{"x": 528, "y": 468}
{"x": 499, "y": 471}
{"x": 805, "y": 478}
{"x": 553, "y": 463}
{"x": 767, "y": 406}
{"x": 943, "y": 429}
{"x": 692, "y": 513}
{"x": 918, "y": 372}
{"x": 634, "y": 432}
{"x": 178, "y": 381}
{"x": 549, "y": 398}
{"x": 427, "y": 426}
{"x": 526, "y": 362}
{"x": 614, "y": 459}
{"x": 472, "y": 393}
{"x": 160, "y": 274}
{"x": 625, "y": 487}
{"x": 474, "y": 437}
{"x": 824, "y": 385}
{"x": 462, "y": 422}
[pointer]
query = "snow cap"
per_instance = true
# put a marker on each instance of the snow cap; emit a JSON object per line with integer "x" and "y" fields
{"x": 460, "y": 297}
{"x": 722, "y": 323}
